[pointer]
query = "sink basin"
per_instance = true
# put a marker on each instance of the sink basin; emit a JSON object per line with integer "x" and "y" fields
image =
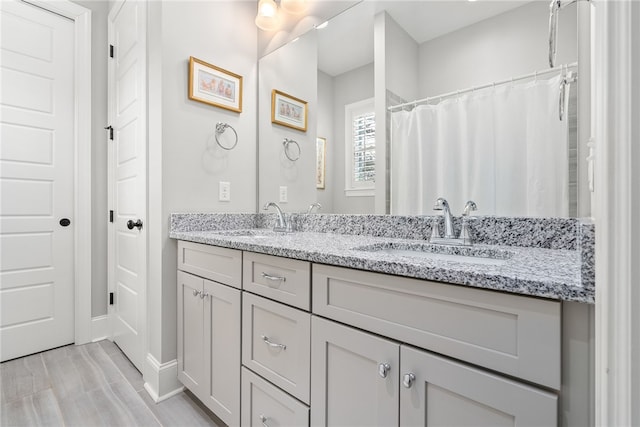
{"x": 468, "y": 255}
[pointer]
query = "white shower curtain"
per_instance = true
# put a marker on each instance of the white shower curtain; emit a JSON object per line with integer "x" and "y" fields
{"x": 503, "y": 147}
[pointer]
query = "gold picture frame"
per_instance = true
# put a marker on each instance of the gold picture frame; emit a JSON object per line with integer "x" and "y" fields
{"x": 214, "y": 85}
{"x": 287, "y": 110}
{"x": 321, "y": 156}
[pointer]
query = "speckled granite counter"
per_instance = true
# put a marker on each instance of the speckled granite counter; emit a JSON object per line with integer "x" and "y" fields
{"x": 550, "y": 273}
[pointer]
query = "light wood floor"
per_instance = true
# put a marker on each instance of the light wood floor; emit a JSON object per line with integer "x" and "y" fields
{"x": 88, "y": 385}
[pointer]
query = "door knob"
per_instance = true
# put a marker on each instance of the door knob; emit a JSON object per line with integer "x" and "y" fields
{"x": 408, "y": 379}
{"x": 65, "y": 222}
{"x": 383, "y": 369}
{"x": 137, "y": 224}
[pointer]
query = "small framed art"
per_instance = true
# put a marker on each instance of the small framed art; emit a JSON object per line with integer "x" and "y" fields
{"x": 321, "y": 155}
{"x": 214, "y": 85}
{"x": 287, "y": 110}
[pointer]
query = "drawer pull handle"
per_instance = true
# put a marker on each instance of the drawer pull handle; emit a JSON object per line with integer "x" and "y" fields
{"x": 196, "y": 293}
{"x": 263, "y": 420}
{"x": 383, "y": 369}
{"x": 272, "y": 344}
{"x": 408, "y": 379}
{"x": 272, "y": 278}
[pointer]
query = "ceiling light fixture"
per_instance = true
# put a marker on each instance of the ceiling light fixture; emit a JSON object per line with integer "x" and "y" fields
{"x": 294, "y": 6}
{"x": 267, "y": 18}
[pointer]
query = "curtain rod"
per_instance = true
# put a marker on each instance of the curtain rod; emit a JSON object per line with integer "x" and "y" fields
{"x": 459, "y": 92}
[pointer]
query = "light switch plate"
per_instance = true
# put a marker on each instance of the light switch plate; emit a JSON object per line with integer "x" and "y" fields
{"x": 283, "y": 194}
{"x": 224, "y": 191}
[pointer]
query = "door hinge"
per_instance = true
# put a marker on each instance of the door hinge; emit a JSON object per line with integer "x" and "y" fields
{"x": 110, "y": 51}
{"x": 110, "y": 216}
{"x": 110, "y": 298}
{"x": 110, "y": 129}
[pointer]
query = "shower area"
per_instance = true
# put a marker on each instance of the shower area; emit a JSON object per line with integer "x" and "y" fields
{"x": 509, "y": 139}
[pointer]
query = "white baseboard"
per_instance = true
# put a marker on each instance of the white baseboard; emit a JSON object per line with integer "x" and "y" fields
{"x": 161, "y": 379}
{"x": 100, "y": 328}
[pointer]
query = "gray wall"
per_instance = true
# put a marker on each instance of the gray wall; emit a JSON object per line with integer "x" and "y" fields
{"x": 326, "y": 130}
{"x": 291, "y": 69}
{"x": 185, "y": 164}
{"x": 508, "y": 45}
{"x": 99, "y": 207}
{"x": 350, "y": 87}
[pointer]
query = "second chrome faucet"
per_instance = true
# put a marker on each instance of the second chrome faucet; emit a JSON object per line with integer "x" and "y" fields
{"x": 449, "y": 237}
{"x": 282, "y": 225}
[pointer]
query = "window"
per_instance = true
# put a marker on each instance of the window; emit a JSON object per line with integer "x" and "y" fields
{"x": 360, "y": 146}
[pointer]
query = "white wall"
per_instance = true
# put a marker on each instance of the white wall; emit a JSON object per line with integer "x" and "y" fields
{"x": 350, "y": 87}
{"x": 291, "y": 69}
{"x": 185, "y": 165}
{"x": 99, "y": 207}
{"x": 508, "y": 45}
{"x": 326, "y": 130}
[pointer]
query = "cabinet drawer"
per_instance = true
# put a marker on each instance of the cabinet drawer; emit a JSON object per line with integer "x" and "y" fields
{"x": 265, "y": 404}
{"x": 211, "y": 262}
{"x": 516, "y": 335}
{"x": 281, "y": 279}
{"x": 276, "y": 343}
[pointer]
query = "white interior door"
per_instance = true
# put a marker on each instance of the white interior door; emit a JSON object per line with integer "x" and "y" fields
{"x": 36, "y": 180}
{"x": 127, "y": 176}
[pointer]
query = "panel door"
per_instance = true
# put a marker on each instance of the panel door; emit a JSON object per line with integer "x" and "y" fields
{"x": 36, "y": 180}
{"x": 127, "y": 176}
{"x": 191, "y": 336}
{"x": 354, "y": 377}
{"x": 448, "y": 393}
{"x": 222, "y": 350}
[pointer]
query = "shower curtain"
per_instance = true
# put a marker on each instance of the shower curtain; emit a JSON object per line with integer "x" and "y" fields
{"x": 503, "y": 147}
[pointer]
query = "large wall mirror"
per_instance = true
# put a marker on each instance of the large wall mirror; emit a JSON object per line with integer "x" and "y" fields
{"x": 483, "y": 68}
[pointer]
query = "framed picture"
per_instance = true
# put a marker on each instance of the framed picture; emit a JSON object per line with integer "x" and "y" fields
{"x": 214, "y": 85}
{"x": 321, "y": 155}
{"x": 289, "y": 111}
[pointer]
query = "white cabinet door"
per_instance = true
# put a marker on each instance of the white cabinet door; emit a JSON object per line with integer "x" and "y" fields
{"x": 222, "y": 351}
{"x": 190, "y": 333}
{"x": 354, "y": 377}
{"x": 448, "y": 393}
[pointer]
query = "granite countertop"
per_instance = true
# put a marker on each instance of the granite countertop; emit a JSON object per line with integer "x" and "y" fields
{"x": 547, "y": 273}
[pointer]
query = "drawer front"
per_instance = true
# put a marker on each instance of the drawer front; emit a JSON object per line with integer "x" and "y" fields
{"x": 280, "y": 279}
{"x": 276, "y": 344}
{"x": 265, "y": 404}
{"x": 516, "y": 335}
{"x": 211, "y": 262}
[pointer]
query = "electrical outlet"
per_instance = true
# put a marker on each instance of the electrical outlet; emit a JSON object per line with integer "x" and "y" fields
{"x": 283, "y": 194}
{"x": 224, "y": 191}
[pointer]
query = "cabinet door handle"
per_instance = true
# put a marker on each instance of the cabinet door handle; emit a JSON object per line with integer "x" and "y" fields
{"x": 203, "y": 295}
{"x": 263, "y": 420}
{"x": 275, "y": 279}
{"x": 383, "y": 369}
{"x": 408, "y": 379}
{"x": 196, "y": 293}
{"x": 272, "y": 344}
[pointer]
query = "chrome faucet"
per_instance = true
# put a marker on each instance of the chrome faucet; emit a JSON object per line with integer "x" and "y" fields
{"x": 312, "y": 206}
{"x": 449, "y": 237}
{"x": 443, "y": 205}
{"x": 282, "y": 224}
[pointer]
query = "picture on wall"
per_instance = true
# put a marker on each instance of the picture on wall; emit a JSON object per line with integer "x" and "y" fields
{"x": 214, "y": 85}
{"x": 321, "y": 155}
{"x": 287, "y": 110}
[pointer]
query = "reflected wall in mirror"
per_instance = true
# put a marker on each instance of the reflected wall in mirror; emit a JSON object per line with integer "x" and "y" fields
{"x": 397, "y": 51}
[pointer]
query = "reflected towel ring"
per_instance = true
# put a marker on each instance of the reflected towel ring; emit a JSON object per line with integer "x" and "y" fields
{"x": 286, "y": 143}
{"x": 220, "y": 129}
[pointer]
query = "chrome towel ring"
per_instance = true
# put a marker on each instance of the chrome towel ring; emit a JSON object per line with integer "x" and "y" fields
{"x": 220, "y": 129}
{"x": 287, "y": 143}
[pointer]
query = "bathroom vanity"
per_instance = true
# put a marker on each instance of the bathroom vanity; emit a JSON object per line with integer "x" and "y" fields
{"x": 313, "y": 328}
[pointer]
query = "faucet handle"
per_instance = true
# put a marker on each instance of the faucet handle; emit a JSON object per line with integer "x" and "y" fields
{"x": 435, "y": 234}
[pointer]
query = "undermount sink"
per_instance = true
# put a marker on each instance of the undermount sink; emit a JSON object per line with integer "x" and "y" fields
{"x": 473, "y": 255}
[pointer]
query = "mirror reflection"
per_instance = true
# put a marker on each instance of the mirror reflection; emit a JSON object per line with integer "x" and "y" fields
{"x": 487, "y": 129}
